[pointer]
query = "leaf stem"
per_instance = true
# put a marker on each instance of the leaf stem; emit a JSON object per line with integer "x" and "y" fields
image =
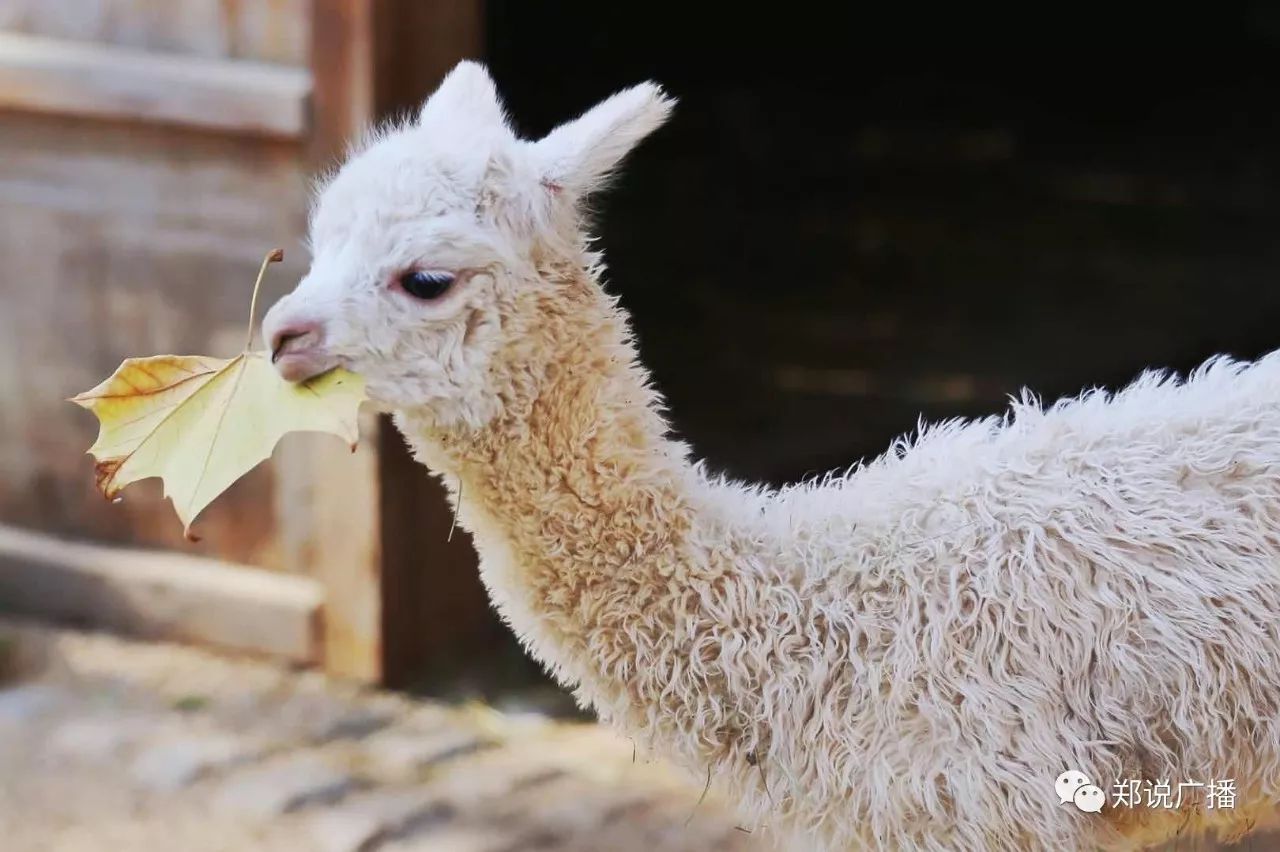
{"x": 273, "y": 256}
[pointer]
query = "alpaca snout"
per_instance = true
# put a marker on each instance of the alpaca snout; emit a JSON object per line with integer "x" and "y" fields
{"x": 297, "y": 346}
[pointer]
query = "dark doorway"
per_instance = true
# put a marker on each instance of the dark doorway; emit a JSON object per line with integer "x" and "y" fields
{"x": 853, "y": 222}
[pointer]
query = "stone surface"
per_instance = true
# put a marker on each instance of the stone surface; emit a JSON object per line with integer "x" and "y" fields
{"x": 358, "y": 823}
{"x": 99, "y": 737}
{"x": 280, "y": 787}
{"x": 456, "y": 839}
{"x": 177, "y": 763}
{"x": 152, "y": 748}
{"x": 23, "y": 704}
{"x": 354, "y": 724}
{"x": 403, "y": 754}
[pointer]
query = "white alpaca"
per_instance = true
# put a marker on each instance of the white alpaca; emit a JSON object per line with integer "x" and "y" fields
{"x": 904, "y": 657}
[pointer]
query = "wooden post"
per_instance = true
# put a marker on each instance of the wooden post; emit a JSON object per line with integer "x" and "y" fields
{"x": 399, "y": 593}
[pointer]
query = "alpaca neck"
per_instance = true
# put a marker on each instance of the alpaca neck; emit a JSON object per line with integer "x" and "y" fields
{"x": 576, "y": 499}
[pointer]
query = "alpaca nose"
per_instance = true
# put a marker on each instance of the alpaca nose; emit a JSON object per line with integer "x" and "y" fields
{"x": 295, "y": 337}
{"x": 297, "y": 345}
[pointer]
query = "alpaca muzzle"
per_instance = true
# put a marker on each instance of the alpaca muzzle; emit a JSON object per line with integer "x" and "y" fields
{"x": 298, "y": 352}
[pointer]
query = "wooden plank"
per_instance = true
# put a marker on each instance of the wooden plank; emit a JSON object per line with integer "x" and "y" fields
{"x": 329, "y": 515}
{"x": 433, "y": 604}
{"x": 160, "y": 595}
{"x": 102, "y": 81}
{"x": 418, "y": 42}
{"x": 434, "y": 608}
{"x": 342, "y": 46}
{"x": 328, "y": 528}
{"x": 370, "y": 59}
{"x": 106, "y": 256}
{"x": 266, "y": 30}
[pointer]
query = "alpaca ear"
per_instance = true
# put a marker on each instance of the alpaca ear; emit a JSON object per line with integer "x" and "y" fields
{"x": 467, "y": 98}
{"x": 580, "y": 155}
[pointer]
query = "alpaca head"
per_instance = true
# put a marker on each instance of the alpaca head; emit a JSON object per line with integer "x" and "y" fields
{"x": 427, "y": 245}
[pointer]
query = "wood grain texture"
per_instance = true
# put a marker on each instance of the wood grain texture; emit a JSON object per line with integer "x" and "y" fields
{"x": 124, "y": 235}
{"x": 166, "y": 596}
{"x": 421, "y": 598}
{"x": 418, "y": 43}
{"x": 342, "y": 45}
{"x": 120, "y": 240}
{"x": 262, "y": 30}
{"x": 329, "y": 514}
{"x": 434, "y": 607}
{"x": 83, "y": 79}
{"x": 328, "y": 528}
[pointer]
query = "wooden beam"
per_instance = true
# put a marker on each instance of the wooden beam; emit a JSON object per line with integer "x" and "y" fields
{"x": 434, "y": 607}
{"x": 342, "y": 47}
{"x": 328, "y": 508}
{"x": 103, "y": 81}
{"x": 418, "y": 43}
{"x": 372, "y": 59}
{"x": 328, "y": 528}
{"x": 160, "y": 595}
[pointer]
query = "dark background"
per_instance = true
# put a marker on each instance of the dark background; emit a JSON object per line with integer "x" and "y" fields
{"x": 853, "y": 220}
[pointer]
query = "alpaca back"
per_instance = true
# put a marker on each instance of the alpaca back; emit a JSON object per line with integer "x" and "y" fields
{"x": 1090, "y": 586}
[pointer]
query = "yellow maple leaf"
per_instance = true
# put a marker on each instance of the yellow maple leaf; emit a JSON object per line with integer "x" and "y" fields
{"x": 201, "y": 423}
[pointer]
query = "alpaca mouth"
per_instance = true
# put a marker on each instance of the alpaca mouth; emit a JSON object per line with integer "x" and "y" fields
{"x": 300, "y": 359}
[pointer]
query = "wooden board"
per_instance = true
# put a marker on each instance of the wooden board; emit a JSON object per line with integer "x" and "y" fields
{"x": 102, "y": 81}
{"x": 155, "y": 595}
{"x": 131, "y": 234}
{"x": 326, "y": 511}
{"x": 121, "y": 240}
{"x": 263, "y": 30}
{"x": 421, "y": 597}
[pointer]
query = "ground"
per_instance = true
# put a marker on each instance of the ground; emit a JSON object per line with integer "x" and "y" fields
{"x": 107, "y": 745}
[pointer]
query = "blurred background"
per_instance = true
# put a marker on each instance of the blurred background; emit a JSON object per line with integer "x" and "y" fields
{"x": 854, "y": 220}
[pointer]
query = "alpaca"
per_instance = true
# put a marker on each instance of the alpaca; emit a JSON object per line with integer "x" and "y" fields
{"x": 902, "y": 657}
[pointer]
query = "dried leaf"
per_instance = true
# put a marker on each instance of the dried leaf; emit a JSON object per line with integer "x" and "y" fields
{"x": 201, "y": 423}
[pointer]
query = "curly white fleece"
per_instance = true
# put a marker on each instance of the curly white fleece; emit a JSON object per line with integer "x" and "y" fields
{"x": 907, "y": 656}
{"x": 1093, "y": 586}
{"x": 903, "y": 657}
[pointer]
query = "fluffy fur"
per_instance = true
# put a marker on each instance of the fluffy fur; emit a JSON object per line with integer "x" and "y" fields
{"x": 903, "y": 657}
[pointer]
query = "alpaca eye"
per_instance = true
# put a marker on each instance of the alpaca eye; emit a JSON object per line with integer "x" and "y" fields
{"x": 423, "y": 284}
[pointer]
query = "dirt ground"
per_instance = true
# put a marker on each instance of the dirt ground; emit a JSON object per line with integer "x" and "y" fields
{"x": 110, "y": 745}
{"x": 113, "y": 745}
